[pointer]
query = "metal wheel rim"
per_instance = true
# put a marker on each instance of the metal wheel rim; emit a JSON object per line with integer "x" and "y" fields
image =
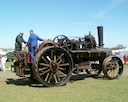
{"x": 113, "y": 67}
{"x": 59, "y": 75}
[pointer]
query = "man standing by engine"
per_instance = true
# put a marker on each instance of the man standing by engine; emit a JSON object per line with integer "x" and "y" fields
{"x": 33, "y": 44}
{"x": 18, "y": 41}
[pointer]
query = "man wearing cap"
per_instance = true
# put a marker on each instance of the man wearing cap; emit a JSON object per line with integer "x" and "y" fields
{"x": 18, "y": 41}
{"x": 33, "y": 44}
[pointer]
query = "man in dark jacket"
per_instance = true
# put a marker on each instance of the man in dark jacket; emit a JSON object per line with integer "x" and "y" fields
{"x": 18, "y": 41}
{"x": 33, "y": 44}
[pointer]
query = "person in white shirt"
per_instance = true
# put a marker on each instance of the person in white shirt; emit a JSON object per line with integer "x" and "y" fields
{"x": 3, "y": 61}
{"x": 0, "y": 62}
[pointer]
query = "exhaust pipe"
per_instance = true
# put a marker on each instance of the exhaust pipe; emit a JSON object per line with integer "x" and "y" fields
{"x": 100, "y": 35}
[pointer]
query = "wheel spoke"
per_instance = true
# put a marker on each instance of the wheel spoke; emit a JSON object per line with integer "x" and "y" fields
{"x": 58, "y": 38}
{"x": 55, "y": 58}
{"x": 44, "y": 64}
{"x": 44, "y": 59}
{"x": 60, "y": 61}
{"x": 60, "y": 56}
{"x": 41, "y": 69}
{"x": 60, "y": 68}
{"x": 116, "y": 70}
{"x": 109, "y": 72}
{"x": 50, "y": 77}
{"x": 62, "y": 73}
{"x": 44, "y": 72}
{"x": 58, "y": 76}
{"x": 47, "y": 76}
{"x": 65, "y": 64}
{"x": 113, "y": 73}
{"x": 55, "y": 78}
{"x": 52, "y": 54}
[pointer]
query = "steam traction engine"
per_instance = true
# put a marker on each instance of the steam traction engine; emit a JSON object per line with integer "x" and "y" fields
{"x": 57, "y": 60}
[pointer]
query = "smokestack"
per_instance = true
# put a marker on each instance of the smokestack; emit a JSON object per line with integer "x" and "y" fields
{"x": 100, "y": 35}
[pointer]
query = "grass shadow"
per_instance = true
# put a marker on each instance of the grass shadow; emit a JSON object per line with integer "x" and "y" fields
{"x": 24, "y": 82}
{"x": 34, "y": 83}
{"x": 77, "y": 77}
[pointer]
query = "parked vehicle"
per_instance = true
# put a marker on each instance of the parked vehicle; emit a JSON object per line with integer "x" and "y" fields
{"x": 10, "y": 56}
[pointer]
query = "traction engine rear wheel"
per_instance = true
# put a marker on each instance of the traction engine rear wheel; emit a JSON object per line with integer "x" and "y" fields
{"x": 112, "y": 67}
{"x": 53, "y": 66}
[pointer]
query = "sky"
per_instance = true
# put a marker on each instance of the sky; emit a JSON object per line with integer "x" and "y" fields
{"x": 73, "y": 18}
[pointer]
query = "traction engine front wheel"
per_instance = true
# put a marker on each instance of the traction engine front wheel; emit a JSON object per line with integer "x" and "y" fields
{"x": 112, "y": 67}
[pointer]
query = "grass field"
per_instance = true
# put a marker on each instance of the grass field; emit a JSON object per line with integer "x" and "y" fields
{"x": 16, "y": 89}
{"x": 8, "y": 64}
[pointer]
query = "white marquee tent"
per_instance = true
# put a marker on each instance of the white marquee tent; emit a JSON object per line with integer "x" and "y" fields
{"x": 2, "y": 52}
{"x": 120, "y": 53}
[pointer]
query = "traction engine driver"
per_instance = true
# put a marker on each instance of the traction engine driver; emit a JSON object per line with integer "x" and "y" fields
{"x": 33, "y": 44}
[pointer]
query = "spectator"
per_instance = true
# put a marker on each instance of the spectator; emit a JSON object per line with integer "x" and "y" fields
{"x": 3, "y": 61}
{"x": 0, "y": 62}
{"x": 125, "y": 59}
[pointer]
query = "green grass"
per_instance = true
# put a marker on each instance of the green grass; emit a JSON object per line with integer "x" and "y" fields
{"x": 87, "y": 90}
{"x": 125, "y": 65}
{"x": 8, "y": 64}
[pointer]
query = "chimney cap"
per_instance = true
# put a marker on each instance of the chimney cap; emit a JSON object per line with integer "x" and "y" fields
{"x": 99, "y": 26}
